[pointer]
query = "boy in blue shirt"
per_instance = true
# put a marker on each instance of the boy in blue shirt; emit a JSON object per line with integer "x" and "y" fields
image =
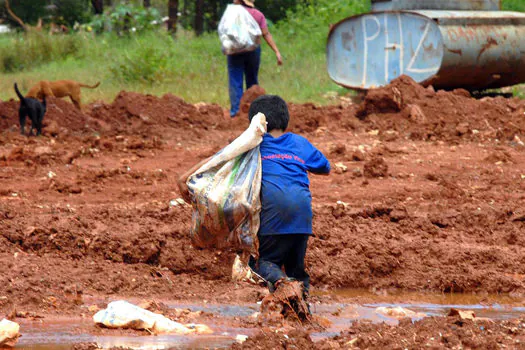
{"x": 286, "y": 215}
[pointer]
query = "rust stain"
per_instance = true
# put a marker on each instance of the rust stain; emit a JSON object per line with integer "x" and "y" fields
{"x": 347, "y": 40}
{"x": 490, "y": 42}
{"x": 456, "y": 51}
{"x": 428, "y": 48}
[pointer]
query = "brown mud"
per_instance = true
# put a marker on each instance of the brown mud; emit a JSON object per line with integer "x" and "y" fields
{"x": 432, "y": 199}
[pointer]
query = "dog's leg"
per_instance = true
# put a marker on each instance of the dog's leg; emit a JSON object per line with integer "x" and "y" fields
{"x": 75, "y": 96}
{"x": 33, "y": 115}
{"x": 46, "y": 90}
{"x": 39, "y": 123}
{"x": 76, "y": 102}
{"x": 22, "y": 118}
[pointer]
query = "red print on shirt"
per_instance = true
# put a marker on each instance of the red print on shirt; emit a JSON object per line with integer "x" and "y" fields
{"x": 284, "y": 157}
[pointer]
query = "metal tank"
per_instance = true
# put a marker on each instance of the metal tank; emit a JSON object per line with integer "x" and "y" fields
{"x": 475, "y": 50}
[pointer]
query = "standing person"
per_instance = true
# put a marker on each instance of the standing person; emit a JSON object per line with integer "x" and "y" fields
{"x": 247, "y": 63}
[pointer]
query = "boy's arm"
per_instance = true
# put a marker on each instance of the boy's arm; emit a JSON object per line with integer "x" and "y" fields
{"x": 316, "y": 162}
{"x": 181, "y": 182}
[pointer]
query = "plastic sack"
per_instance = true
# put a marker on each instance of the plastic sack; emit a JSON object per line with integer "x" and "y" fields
{"x": 121, "y": 314}
{"x": 241, "y": 272}
{"x": 9, "y": 333}
{"x": 238, "y": 30}
{"x": 225, "y": 194}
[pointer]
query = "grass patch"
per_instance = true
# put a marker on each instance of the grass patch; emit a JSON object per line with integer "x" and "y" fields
{"x": 192, "y": 68}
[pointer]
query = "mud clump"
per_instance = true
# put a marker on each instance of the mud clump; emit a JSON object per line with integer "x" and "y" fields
{"x": 287, "y": 302}
{"x": 500, "y": 156}
{"x": 295, "y": 339}
{"x": 249, "y": 96}
{"x": 375, "y": 167}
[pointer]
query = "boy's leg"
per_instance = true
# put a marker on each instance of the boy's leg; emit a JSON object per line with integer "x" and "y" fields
{"x": 294, "y": 262}
{"x": 235, "y": 78}
{"x": 271, "y": 258}
{"x": 251, "y": 67}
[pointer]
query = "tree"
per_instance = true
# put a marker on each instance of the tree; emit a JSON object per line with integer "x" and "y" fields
{"x": 69, "y": 12}
{"x": 98, "y": 6}
{"x": 173, "y": 13}
{"x": 198, "y": 24}
{"x": 27, "y": 12}
{"x": 147, "y": 3}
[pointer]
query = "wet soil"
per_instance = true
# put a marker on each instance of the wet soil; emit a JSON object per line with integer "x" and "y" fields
{"x": 431, "y": 199}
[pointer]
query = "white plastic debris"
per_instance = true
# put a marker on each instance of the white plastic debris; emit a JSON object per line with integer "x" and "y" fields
{"x": 121, "y": 314}
{"x": 9, "y": 333}
{"x": 398, "y": 312}
{"x": 340, "y": 168}
{"x": 177, "y": 202}
{"x": 241, "y": 338}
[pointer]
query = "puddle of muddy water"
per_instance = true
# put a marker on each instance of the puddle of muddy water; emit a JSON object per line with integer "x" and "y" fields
{"x": 355, "y": 305}
{"x": 61, "y": 335}
{"x": 341, "y": 315}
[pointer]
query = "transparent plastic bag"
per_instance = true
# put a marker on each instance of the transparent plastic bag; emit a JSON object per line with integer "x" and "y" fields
{"x": 238, "y": 30}
{"x": 225, "y": 194}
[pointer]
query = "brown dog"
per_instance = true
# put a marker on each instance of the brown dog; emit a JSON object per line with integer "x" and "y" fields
{"x": 59, "y": 88}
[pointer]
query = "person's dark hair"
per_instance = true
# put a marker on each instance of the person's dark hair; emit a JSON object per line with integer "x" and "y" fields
{"x": 275, "y": 110}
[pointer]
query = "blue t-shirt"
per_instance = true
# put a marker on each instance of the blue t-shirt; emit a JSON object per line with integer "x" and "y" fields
{"x": 285, "y": 192}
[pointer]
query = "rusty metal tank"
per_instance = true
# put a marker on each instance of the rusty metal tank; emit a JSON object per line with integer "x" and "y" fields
{"x": 475, "y": 50}
{"x": 459, "y": 5}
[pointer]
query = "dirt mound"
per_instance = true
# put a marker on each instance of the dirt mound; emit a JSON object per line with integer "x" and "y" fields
{"x": 431, "y": 332}
{"x": 134, "y": 112}
{"x": 249, "y": 96}
{"x": 422, "y": 114}
{"x": 129, "y": 113}
{"x": 8, "y": 113}
{"x": 375, "y": 167}
{"x": 61, "y": 115}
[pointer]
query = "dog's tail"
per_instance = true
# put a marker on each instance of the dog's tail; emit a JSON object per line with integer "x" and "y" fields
{"x": 22, "y": 98}
{"x": 90, "y": 86}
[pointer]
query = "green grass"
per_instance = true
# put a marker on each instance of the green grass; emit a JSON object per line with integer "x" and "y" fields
{"x": 194, "y": 69}
{"x": 189, "y": 67}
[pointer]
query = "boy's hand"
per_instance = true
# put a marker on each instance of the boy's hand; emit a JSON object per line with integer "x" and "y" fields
{"x": 181, "y": 182}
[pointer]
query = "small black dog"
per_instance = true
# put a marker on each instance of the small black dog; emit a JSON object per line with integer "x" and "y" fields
{"x": 32, "y": 108}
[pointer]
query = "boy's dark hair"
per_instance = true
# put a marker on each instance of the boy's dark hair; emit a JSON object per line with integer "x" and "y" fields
{"x": 275, "y": 110}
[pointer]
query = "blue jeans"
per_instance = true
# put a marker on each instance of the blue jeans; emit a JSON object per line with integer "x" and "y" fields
{"x": 246, "y": 63}
{"x": 286, "y": 250}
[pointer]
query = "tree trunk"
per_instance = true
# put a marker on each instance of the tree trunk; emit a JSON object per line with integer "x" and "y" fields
{"x": 98, "y": 5}
{"x": 199, "y": 17}
{"x": 147, "y": 3}
{"x": 173, "y": 10}
{"x": 213, "y": 10}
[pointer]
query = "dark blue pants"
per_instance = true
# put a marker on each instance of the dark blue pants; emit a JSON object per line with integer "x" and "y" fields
{"x": 240, "y": 65}
{"x": 286, "y": 250}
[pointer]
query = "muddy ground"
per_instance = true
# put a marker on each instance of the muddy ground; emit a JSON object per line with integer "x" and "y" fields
{"x": 429, "y": 196}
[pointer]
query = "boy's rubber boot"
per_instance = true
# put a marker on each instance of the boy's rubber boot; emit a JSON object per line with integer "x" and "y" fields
{"x": 306, "y": 296}
{"x": 285, "y": 289}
